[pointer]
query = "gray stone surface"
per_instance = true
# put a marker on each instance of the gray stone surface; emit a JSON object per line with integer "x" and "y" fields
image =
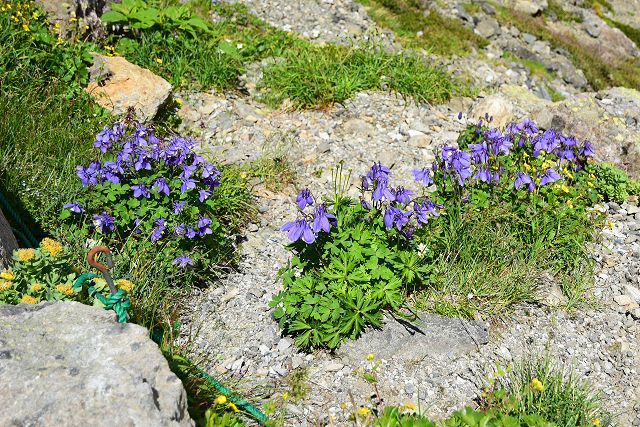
{"x": 8, "y": 242}
{"x": 69, "y": 364}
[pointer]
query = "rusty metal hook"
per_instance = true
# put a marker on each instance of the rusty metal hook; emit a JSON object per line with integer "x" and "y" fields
{"x": 91, "y": 259}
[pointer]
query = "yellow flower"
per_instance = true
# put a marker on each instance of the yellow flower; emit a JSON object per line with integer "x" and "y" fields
{"x": 596, "y": 422}
{"x": 285, "y": 395}
{"x": 409, "y": 406}
{"x": 537, "y": 385}
{"x": 565, "y": 188}
{"x": 99, "y": 282}
{"x": 7, "y": 275}
{"x": 52, "y": 246}
{"x": 4, "y": 285}
{"x": 179, "y": 101}
{"x": 65, "y": 289}
{"x": 25, "y": 255}
{"x": 37, "y": 287}
{"x": 125, "y": 285}
{"x": 158, "y": 61}
{"x": 35, "y": 15}
{"x": 28, "y": 299}
{"x": 570, "y": 203}
{"x": 233, "y": 407}
{"x": 370, "y": 357}
{"x": 363, "y": 410}
{"x": 221, "y": 400}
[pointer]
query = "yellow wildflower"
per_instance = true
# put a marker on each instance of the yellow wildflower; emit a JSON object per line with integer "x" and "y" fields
{"x": 7, "y": 275}
{"x": 65, "y": 289}
{"x": 596, "y": 422}
{"x": 124, "y": 284}
{"x": 565, "y": 188}
{"x": 370, "y": 357}
{"x": 158, "y": 61}
{"x": 363, "y": 410}
{"x": 37, "y": 287}
{"x": 221, "y": 400}
{"x": 28, "y": 299}
{"x": 52, "y": 246}
{"x": 233, "y": 407}
{"x": 570, "y": 203}
{"x": 409, "y": 406}
{"x": 610, "y": 224}
{"x": 4, "y": 285}
{"x": 25, "y": 255}
{"x": 285, "y": 395}
{"x": 99, "y": 282}
{"x": 537, "y": 385}
{"x": 343, "y": 406}
{"x": 35, "y": 15}
{"x": 179, "y": 101}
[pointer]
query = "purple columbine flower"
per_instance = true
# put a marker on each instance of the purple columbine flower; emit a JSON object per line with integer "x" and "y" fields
{"x": 177, "y": 207}
{"x": 549, "y": 176}
{"x": 187, "y": 184}
{"x": 161, "y": 185}
{"x": 74, "y": 207}
{"x": 90, "y": 174}
{"x": 103, "y": 140}
{"x": 529, "y": 127}
{"x": 187, "y": 170}
{"x": 382, "y": 191}
{"x": 395, "y": 216}
{"x": 479, "y": 152}
{"x": 299, "y": 229}
{"x": 461, "y": 165}
{"x": 156, "y": 233}
{"x": 587, "y": 149}
{"x": 182, "y": 261}
{"x": 104, "y": 222}
{"x": 567, "y": 154}
{"x": 426, "y": 207}
{"x": 523, "y": 179}
{"x": 423, "y": 175}
{"x": 112, "y": 171}
{"x": 483, "y": 174}
{"x": 140, "y": 190}
{"x": 304, "y": 199}
{"x": 402, "y": 195}
{"x": 203, "y": 195}
{"x": 203, "y": 226}
{"x": 191, "y": 233}
{"x": 378, "y": 172}
{"x": 142, "y": 163}
{"x": 322, "y": 220}
{"x": 208, "y": 170}
{"x": 178, "y": 229}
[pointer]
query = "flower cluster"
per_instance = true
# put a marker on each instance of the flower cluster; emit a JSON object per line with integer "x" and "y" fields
{"x": 160, "y": 186}
{"x": 308, "y": 226}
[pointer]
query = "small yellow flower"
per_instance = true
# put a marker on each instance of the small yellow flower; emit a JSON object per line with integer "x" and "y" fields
{"x": 65, "y": 289}
{"x": 221, "y": 400}
{"x": 28, "y": 299}
{"x": 596, "y": 422}
{"x": 370, "y": 357}
{"x": 35, "y": 15}
{"x": 565, "y": 188}
{"x": 25, "y": 255}
{"x": 52, "y": 246}
{"x": 4, "y": 285}
{"x": 158, "y": 61}
{"x": 125, "y": 285}
{"x": 99, "y": 282}
{"x": 7, "y": 275}
{"x": 233, "y": 407}
{"x": 537, "y": 385}
{"x": 409, "y": 406}
{"x": 343, "y": 406}
{"x": 363, "y": 410}
{"x": 285, "y": 395}
{"x": 37, "y": 287}
{"x": 570, "y": 203}
{"x": 179, "y": 101}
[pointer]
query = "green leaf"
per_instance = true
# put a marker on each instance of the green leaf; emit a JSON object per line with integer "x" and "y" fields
{"x": 113, "y": 17}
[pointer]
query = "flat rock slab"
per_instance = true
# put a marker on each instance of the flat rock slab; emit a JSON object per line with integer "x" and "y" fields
{"x": 429, "y": 336}
{"x": 69, "y": 364}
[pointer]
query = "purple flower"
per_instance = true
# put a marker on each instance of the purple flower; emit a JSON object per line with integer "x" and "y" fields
{"x": 460, "y": 115}
{"x": 548, "y": 142}
{"x": 203, "y": 195}
{"x": 208, "y": 170}
{"x": 161, "y": 185}
{"x": 112, "y": 171}
{"x": 104, "y": 222}
{"x": 74, "y": 207}
{"x": 299, "y": 229}
{"x": 187, "y": 170}
{"x": 187, "y": 184}
{"x": 402, "y": 195}
{"x": 423, "y": 175}
{"x": 90, "y": 174}
{"x": 427, "y": 207}
{"x": 140, "y": 190}
{"x": 177, "y": 207}
{"x": 460, "y": 163}
{"x": 136, "y": 226}
{"x": 322, "y": 220}
{"x": 567, "y": 154}
{"x": 178, "y": 229}
{"x": 529, "y": 127}
{"x": 182, "y": 261}
{"x": 191, "y": 233}
{"x": 587, "y": 149}
{"x": 483, "y": 174}
{"x": 365, "y": 204}
{"x": 304, "y": 199}
{"x": 378, "y": 172}
{"x": 395, "y": 216}
{"x": 550, "y": 175}
{"x": 142, "y": 163}
{"x": 523, "y": 179}
{"x": 382, "y": 191}
{"x": 203, "y": 226}
{"x": 479, "y": 152}
{"x": 156, "y": 233}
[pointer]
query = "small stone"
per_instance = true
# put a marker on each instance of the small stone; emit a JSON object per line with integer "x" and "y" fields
{"x": 333, "y": 366}
{"x": 623, "y": 300}
{"x": 488, "y": 28}
{"x": 633, "y": 292}
{"x": 529, "y": 38}
{"x": 283, "y": 345}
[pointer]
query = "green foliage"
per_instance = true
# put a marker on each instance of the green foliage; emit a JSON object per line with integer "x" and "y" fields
{"x": 29, "y": 48}
{"x": 537, "y": 386}
{"x": 274, "y": 171}
{"x": 433, "y": 32}
{"x": 554, "y": 8}
{"x": 393, "y": 417}
{"x": 297, "y": 382}
{"x": 612, "y": 183}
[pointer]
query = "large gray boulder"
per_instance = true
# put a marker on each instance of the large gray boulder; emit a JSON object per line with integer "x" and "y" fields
{"x": 69, "y": 364}
{"x": 8, "y": 242}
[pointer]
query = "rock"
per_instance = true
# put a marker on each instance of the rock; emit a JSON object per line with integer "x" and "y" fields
{"x": 495, "y": 106}
{"x": 633, "y": 292}
{"x": 528, "y": 38}
{"x": 118, "y": 85}
{"x": 87, "y": 13}
{"x": 487, "y": 28}
{"x": 549, "y": 292}
{"x": 8, "y": 242}
{"x": 431, "y": 335}
{"x": 66, "y": 364}
{"x": 623, "y": 300}
{"x": 593, "y": 27}
{"x": 530, "y": 7}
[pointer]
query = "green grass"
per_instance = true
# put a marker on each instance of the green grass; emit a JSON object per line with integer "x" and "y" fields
{"x": 537, "y": 68}
{"x": 565, "y": 400}
{"x": 273, "y": 170}
{"x": 440, "y": 35}
{"x": 562, "y": 15}
{"x": 599, "y": 74}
